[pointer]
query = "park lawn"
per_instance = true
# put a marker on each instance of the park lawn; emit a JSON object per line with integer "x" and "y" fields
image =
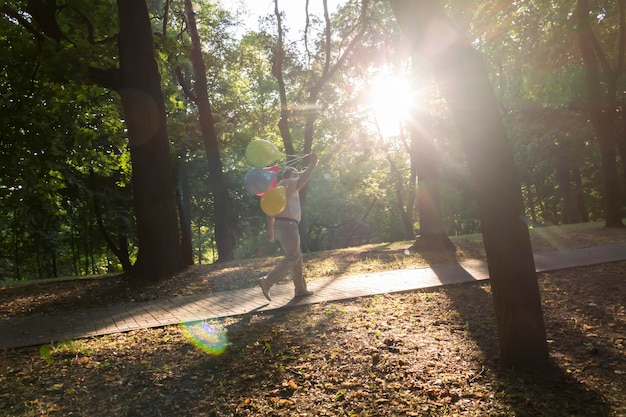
{"x": 422, "y": 353}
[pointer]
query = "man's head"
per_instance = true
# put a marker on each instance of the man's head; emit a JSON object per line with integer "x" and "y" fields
{"x": 290, "y": 172}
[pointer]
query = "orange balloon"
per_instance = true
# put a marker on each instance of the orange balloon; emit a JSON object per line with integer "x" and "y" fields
{"x": 274, "y": 201}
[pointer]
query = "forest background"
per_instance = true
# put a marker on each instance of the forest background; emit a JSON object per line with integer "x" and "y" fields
{"x": 334, "y": 83}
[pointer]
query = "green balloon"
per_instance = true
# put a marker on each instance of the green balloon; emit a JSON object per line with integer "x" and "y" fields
{"x": 261, "y": 153}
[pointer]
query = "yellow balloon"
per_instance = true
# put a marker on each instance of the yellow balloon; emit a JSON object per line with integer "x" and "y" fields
{"x": 274, "y": 201}
{"x": 261, "y": 153}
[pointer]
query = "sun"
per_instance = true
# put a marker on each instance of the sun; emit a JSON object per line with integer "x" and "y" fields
{"x": 390, "y": 99}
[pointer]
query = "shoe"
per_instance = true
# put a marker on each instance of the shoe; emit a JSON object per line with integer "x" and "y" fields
{"x": 266, "y": 291}
{"x": 305, "y": 294}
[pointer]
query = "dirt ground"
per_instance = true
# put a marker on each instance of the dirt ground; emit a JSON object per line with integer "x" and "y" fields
{"x": 423, "y": 353}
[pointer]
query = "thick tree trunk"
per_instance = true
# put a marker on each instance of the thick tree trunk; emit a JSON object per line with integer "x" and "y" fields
{"x": 464, "y": 83}
{"x": 144, "y": 110}
{"x": 222, "y": 219}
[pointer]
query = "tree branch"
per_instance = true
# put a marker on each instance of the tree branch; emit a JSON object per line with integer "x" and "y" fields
{"x": 13, "y": 14}
{"x": 327, "y": 36}
{"x": 44, "y": 16}
{"x": 107, "y": 78}
{"x": 307, "y": 24}
{"x": 185, "y": 85}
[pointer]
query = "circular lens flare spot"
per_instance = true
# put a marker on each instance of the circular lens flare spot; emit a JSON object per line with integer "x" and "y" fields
{"x": 205, "y": 336}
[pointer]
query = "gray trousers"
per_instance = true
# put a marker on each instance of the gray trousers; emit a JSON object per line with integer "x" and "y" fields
{"x": 288, "y": 235}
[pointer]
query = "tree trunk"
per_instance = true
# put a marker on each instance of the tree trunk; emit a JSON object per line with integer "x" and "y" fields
{"x": 621, "y": 143}
{"x": 53, "y": 265}
{"x": 278, "y": 59}
{"x": 464, "y": 83}
{"x": 583, "y": 216}
{"x": 569, "y": 212}
{"x": 144, "y": 111}
{"x": 309, "y": 128}
{"x": 183, "y": 200}
{"x": 602, "y": 115}
{"x": 531, "y": 200}
{"x": 411, "y": 197}
{"x": 122, "y": 252}
{"x": 432, "y": 236}
{"x": 222, "y": 219}
{"x": 407, "y": 221}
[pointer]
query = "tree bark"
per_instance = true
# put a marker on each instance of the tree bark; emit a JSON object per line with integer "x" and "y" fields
{"x": 223, "y": 220}
{"x": 464, "y": 83}
{"x": 152, "y": 177}
{"x": 602, "y": 112}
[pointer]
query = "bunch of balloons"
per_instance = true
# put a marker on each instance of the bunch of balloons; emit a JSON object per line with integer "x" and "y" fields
{"x": 262, "y": 179}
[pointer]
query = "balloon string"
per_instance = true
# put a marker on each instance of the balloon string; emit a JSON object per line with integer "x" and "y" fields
{"x": 297, "y": 157}
{"x": 293, "y": 160}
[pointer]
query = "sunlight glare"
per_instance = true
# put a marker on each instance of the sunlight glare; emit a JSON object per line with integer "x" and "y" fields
{"x": 391, "y": 99}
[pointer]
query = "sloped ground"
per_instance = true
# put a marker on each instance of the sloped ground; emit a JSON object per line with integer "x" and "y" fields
{"x": 425, "y": 353}
{"x": 17, "y": 299}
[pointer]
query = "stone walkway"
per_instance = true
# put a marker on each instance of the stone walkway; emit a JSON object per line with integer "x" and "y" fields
{"x": 37, "y": 330}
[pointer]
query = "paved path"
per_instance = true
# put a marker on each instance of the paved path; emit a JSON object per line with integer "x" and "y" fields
{"x": 36, "y": 330}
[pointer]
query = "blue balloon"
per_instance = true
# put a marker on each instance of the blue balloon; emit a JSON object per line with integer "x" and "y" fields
{"x": 258, "y": 180}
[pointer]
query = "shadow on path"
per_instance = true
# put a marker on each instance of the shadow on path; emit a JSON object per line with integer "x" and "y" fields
{"x": 528, "y": 387}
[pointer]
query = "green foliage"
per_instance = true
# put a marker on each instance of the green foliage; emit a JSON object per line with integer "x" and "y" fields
{"x": 63, "y": 150}
{"x": 46, "y": 354}
{"x": 58, "y": 130}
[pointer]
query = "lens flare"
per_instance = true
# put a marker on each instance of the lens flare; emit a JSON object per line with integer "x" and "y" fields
{"x": 205, "y": 336}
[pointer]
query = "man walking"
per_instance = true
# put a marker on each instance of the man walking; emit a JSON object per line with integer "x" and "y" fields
{"x": 285, "y": 227}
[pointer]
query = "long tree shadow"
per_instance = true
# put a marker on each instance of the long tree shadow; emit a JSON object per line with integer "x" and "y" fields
{"x": 267, "y": 361}
{"x": 264, "y": 364}
{"x": 208, "y": 382}
{"x": 97, "y": 291}
{"x": 528, "y": 390}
